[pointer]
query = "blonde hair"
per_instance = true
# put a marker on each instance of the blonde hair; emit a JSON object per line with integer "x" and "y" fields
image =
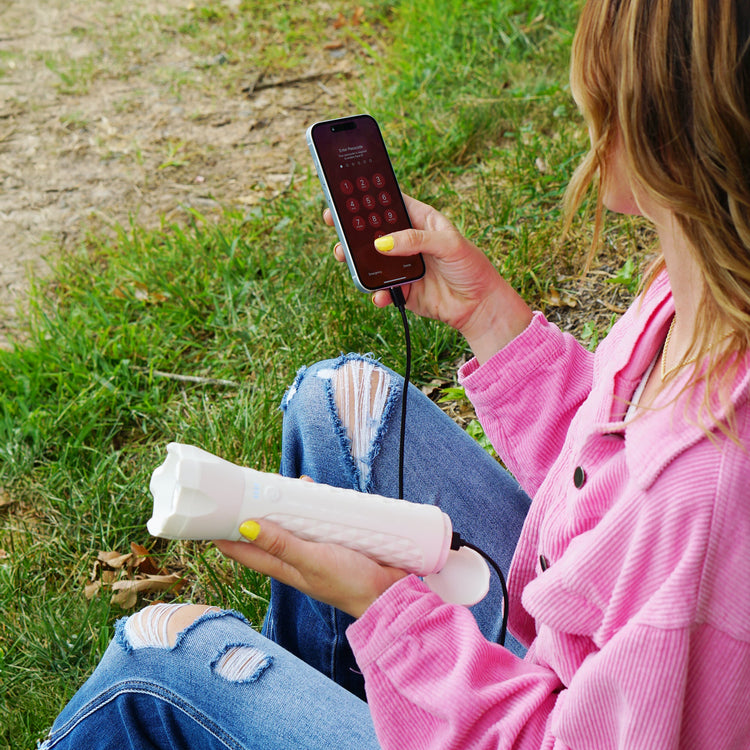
{"x": 671, "y": 78}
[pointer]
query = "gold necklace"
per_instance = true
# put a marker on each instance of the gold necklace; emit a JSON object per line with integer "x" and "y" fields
{"x": 664, "y": 349}
{"x": 664, "y": 372}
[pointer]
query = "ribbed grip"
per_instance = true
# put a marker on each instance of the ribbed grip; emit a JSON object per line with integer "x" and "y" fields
{"x": 390, "y": 549}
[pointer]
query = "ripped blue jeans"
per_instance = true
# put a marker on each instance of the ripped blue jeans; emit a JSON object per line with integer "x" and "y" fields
{"x": 220, "y": 684}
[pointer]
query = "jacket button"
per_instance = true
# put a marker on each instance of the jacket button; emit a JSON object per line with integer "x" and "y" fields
{"x": 579, "y": 477}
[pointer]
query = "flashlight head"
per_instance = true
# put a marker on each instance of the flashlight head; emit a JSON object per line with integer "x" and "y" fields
{"x": 196, "y": 495}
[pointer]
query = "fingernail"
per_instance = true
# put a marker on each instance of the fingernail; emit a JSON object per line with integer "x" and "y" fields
{"x": 250, "y": 530}
{"x": 384, "y": 244}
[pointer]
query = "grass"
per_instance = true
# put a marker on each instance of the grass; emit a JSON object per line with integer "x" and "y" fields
{"x": 474, "y": 102}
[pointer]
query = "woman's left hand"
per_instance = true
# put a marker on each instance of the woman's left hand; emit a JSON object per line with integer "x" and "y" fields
{"x": 330, "y": 573}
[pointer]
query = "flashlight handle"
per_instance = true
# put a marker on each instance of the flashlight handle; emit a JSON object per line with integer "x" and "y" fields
{"x": 200, "y": 496}
{"x": 405, "y": 535}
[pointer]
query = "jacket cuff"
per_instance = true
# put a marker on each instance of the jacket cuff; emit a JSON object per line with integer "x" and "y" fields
{"x": 533, "y": 347}
{"x": 389, "y": 617}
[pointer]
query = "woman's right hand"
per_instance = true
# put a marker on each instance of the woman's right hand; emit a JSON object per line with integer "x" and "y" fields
{"x": 460, "y": 286}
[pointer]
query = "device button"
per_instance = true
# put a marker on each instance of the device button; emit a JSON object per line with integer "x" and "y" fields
{"x": 358, "y": 223}
{"x": 375, "y": 220}
{"x": 363, "y": 184}
{"x": 271, "y": 494}
{"x": 353, "y": 205}
{"x": 368, "y": 201}
{"x": 378, "y": 180}
{"x": 391, "y": 216}
{"x": 346, "y": 187}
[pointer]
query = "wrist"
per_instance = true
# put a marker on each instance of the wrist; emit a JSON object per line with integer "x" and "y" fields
{"x": 494, "y": 323}
{"x": 357, "y": 607}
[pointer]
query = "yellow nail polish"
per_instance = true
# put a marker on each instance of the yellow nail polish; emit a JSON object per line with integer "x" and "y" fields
{"x": 384, "y": 244}
{"x": 250, "y": 530}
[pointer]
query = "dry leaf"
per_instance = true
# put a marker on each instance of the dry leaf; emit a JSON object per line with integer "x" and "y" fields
{"x": 357, "y": 17}
{"x": 150, "y": 583}
{"x": 434, "y": 388}
{"x": 143, "y": 561}
{"x": 92, "y": 589}
{"x": 556, "y": 299}
{"x": 130, "y": 574}
{"x": 126, "y": 599}
{"x": 553, "y": 298}
{"x": 115, "y": 560}
{"x": 126, "y": 592}
{"x": 141, "y": 292}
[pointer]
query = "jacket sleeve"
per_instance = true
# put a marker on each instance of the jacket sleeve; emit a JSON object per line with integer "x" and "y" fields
{"x": 527, "y": 395}
{"x": 433, "y": 681}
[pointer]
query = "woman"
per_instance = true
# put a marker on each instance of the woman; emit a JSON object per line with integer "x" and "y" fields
{"x": 628, "y": 580}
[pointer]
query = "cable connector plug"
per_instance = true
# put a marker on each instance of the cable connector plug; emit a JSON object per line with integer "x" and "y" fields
{"x": 456, "y": 543}
{"x": 397, "y": 296}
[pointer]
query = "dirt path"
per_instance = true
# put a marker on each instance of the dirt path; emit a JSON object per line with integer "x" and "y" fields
{"x": 92, "y": 132}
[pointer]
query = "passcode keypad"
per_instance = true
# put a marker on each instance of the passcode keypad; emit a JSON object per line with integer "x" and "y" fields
{"x": 369, "y": 203}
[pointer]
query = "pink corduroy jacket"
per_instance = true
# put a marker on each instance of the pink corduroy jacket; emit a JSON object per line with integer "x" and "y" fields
{"x": 639, "y": 629}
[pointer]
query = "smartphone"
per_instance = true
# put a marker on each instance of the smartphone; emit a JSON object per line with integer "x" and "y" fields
{"x": 362, "y": 192}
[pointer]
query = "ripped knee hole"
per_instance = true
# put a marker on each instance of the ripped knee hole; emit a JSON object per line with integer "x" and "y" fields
{"x": 160, "y": 625}
{"x": 361, "y": 390}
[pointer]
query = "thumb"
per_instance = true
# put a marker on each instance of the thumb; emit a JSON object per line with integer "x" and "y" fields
{"x": 413, "y": 241}
{"x": 404, "y": 242}
{"x": 274, "y": 551}
{"x": 274, "y": 540}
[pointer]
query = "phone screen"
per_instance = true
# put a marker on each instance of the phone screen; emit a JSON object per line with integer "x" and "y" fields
{"x": 364, "y": 197}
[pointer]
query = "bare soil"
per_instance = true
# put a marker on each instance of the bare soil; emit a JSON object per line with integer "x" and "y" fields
{"x": 98, "y": 127}
{"x": 78, "y": 154}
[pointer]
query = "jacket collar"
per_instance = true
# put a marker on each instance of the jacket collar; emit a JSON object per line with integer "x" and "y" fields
{"x": 655, "y": 438}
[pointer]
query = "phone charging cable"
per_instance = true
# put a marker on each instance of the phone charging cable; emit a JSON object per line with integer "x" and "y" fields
{"x": 398, "y": 300}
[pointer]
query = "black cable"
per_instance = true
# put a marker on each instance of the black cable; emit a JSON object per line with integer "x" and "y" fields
{"x": 459, "y": 542}
{"x": 398, "y": 300}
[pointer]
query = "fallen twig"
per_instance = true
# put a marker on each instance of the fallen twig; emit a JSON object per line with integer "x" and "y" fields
{"x": 259, "y": 85}
{"x": 187, "y": 378}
